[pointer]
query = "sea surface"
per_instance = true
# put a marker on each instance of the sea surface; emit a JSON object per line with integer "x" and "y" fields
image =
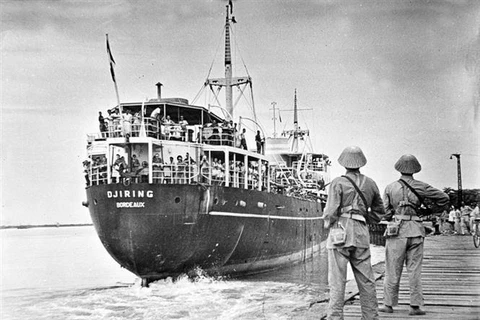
{"x": 65, "y": 273}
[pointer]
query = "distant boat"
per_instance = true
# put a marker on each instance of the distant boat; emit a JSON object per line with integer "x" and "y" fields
{"x": 167, "y": 197}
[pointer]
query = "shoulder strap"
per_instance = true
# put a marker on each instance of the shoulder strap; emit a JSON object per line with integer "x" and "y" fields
{"x": 412, "y": 189}
{"x": 360, "y": 193}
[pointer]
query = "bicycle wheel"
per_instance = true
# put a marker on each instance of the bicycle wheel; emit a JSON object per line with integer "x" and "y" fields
{"x": 476, "y": 237}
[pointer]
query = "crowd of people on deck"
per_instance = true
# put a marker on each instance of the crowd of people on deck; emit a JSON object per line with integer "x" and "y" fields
{"x": 117, "y": 125}
{"x": 95, "y": 170}
{"x": 186, "y": 170}
{"x": 128, "y": 124}
{"x": 183, "y": 169}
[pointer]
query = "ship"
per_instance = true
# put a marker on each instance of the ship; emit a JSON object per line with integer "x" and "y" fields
{"x": 172, "y": 187}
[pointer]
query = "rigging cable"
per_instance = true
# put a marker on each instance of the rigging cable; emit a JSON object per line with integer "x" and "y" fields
{"x": 211, "y": 66}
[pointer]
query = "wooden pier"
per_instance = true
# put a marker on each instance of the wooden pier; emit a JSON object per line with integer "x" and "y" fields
{"x": 450, "y": 280}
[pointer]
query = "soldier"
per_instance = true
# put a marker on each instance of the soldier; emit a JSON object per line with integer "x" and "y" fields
{"x": 353, "y": 201}
{"x": 402, "y": 200}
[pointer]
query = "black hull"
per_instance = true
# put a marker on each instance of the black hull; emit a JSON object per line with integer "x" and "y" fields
{"x": 167, "y": 230}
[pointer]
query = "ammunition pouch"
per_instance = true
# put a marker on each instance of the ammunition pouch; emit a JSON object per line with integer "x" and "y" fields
{"x": 338, "y": 235}
{"x": 393, "y": 228}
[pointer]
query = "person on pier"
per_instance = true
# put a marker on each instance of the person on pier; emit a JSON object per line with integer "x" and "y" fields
{"x": 349, "y": 199}
{"x": 402, "y": 205}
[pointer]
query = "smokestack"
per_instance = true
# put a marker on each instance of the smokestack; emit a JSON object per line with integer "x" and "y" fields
{"x": 159, "y": 90}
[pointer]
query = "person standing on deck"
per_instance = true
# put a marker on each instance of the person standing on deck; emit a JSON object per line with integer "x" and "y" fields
{"x": 351, "y": 210}
{"x": 183, "y": 125}
{"x": 135, "y": 163}
{"x": 127, "y": 123}
{"x": 258, "y": 141}
{"x": 243, "y": 140}
{"x": 101, "y": 123}
{"x": 406, "y": 248}
{"x": 156, "y": 115}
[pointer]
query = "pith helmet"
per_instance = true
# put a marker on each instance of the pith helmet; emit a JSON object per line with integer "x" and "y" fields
{"x": 352, "y": 158}
{"x": 408, "y": 164}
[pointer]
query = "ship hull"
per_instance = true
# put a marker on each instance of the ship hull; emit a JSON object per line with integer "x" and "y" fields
{"x": 162, "y": 230}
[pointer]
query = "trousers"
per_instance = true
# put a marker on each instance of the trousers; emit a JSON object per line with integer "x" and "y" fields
{"x": 400, "y": 251}
{"x": 359, "y": 259}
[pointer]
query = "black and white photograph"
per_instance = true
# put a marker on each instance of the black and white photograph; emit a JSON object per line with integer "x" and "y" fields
{"x": 240, "y": 159}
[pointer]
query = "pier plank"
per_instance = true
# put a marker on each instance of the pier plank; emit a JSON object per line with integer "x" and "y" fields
{"x": 450, "y": 280}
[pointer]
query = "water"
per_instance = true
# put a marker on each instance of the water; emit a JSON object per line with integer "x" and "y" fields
{"x": 65, "y": 273}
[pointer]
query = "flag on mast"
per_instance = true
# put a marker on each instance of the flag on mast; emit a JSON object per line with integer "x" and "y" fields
{"x": 112, "y": 61}
{"x": 112, "y": 71}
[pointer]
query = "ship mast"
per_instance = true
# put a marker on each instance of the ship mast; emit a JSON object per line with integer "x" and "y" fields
{"x": 296, "y": 133}
{"x": 295, "y": 112}
{"x": 228, "y": 64}
{"x": 229, "y": 81}
{"x": 295, "y": 124}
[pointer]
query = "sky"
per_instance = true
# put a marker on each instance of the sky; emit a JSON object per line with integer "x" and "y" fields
{"x": 393, "y": 77}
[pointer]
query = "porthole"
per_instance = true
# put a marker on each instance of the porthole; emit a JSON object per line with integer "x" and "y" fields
{"x": 177, "y": 199}
{"x": 95, "y": 201}
{"x": 215, "y": 201}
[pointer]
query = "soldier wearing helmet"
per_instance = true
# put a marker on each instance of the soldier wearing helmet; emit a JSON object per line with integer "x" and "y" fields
{"x": 350, "y": 209}
{"x": 402, "y": 200}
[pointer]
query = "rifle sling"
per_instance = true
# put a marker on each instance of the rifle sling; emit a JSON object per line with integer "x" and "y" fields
{"x": 413, "y": 190}
{"x": 360, "y": 193}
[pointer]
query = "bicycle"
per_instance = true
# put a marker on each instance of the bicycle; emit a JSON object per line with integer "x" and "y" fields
{"x": 476, "y": 232}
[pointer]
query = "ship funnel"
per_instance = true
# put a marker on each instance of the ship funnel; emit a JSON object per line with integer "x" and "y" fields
{"x": 159, "y": 90}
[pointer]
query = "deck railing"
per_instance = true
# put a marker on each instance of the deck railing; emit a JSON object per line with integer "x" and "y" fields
{"x": 218, "y": 136}
{"x": 98, "y": 174}
{"x": 221, "y": 136}
{"x": 150, "y": 128}
{"x": 177, "y": 174}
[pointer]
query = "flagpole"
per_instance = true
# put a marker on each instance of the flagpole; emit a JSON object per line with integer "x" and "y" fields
{"x": 111, "y": 61}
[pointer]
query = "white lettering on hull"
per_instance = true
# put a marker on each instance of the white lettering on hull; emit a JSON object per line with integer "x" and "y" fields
{"x": 130, "y": 194}
{"x": 130, "y": 204}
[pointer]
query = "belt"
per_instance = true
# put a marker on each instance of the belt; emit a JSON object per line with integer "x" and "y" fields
{"x": 405, "y": 203}
{"x": 407, "y": 217}
{"x": 354, "y": 216}
{"x": 346, "y": 209}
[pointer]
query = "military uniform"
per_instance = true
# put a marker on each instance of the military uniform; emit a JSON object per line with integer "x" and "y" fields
{"x": 346, "y": 207}
{"x": 407, "y": 247}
